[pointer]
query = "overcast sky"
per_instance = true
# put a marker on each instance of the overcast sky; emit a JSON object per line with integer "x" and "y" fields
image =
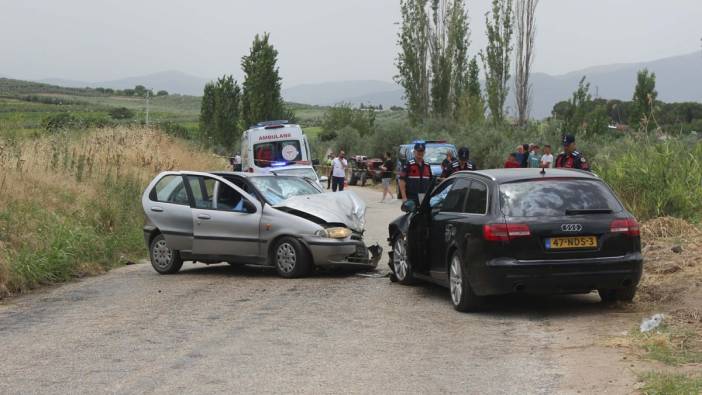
{"x": 318, "y": 40}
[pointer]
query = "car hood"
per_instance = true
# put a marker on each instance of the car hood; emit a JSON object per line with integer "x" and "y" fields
{"x": 333, "y": 207}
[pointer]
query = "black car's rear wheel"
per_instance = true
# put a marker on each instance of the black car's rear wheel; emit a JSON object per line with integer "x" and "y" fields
{"x": 164, "y": 259}
{"x": 401, "y": 267}
{"x": 622, "y": 294}
{"x": 291, "y": 259}
{"x": 462, "y": 295}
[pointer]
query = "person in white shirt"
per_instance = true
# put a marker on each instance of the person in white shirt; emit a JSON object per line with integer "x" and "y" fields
{"x": 547, "y": 157}
{"x": 339, "y": 165}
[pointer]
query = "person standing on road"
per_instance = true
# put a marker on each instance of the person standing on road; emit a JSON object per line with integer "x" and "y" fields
{"x": 534, "y": 157}
{"x": 462, "y": 164}
{"x": 415, "y": 178}
{"x": 339, "y": 166}
{"x": 512, "y": 161}
{"x": 547, "y": 158}
{"x": 235, "y": 161}
{"x": 570, "y": 158}
{"x": 387, "y": 176}
{"x": 448, "y": 162}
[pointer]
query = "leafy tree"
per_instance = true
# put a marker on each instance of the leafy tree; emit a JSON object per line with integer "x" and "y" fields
{"x": 220, "y": 112}
{"x": 525, "y": 12}
{"x": 140, "y": 90}
{"x": 412, "y": 61}
{"x": 471, "y": 108}
{"x": 496, "y": 57}
{"x": 121, "y": 113}
{"x": 261, "y": 99}
{"x": 574, "y": 117}
{"x": 644, "y": 99}
{"x": 340, "y": 116}
{"x": 162, "y": 93}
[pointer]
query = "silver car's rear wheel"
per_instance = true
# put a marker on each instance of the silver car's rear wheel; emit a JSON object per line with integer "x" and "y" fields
{"x": 400, "y": 264}
{"x": 164, "y": 259}
{"x": 291, "y": 258}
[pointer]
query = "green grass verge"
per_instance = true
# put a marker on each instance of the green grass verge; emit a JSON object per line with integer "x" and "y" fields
{"x": 658, "y": 383}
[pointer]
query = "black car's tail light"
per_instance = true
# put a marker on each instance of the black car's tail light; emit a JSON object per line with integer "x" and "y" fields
{"x": 628, "y": 226}
{"x": 505, "y": 232}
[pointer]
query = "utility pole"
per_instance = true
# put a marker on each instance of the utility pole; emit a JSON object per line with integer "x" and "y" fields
{"x": 147, "y": 107}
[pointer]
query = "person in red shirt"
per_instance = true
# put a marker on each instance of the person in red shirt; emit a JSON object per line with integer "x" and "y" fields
{"x": 512, "y": 162}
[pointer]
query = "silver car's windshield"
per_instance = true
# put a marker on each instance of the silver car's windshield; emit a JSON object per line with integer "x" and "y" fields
{"x": 277, "y": 189}
{"x": 301, "y": 172}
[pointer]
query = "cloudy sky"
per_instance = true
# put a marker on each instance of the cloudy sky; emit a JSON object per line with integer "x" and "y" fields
{"x": 318, "y": 40}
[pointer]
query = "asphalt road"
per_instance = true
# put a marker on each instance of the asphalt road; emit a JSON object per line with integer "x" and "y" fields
{"x": 244, "y": 330}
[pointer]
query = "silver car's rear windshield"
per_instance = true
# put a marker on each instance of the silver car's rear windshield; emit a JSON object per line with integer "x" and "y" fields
{"x": 277, "y": 189}
{"x": 554, "y": 197}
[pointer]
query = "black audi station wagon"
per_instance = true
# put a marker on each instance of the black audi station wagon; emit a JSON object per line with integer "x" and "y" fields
{"x": 507, "y": 231}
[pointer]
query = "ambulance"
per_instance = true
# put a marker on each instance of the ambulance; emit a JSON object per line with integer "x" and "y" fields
{"x": 271, "y": 145}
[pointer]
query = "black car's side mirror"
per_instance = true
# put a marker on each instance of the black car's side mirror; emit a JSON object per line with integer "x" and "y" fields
{"x": 315, "y": 162}
{"x": 409, "y": 206}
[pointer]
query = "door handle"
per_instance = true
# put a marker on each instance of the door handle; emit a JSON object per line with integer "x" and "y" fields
{"x": 157, "y": 209}
{"x": 203, "y": 216}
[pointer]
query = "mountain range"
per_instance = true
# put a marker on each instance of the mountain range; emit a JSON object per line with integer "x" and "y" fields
{"x": 678, "y": 78}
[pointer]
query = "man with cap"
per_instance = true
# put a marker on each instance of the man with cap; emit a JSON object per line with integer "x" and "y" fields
{"x": 415, "y": 177}
{"x": 463, "y": 163}
{"x": 570, "y": 158}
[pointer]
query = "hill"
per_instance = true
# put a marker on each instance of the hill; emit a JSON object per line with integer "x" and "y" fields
{"x": 678, "y": 79}
{"x": 172, "y": 81}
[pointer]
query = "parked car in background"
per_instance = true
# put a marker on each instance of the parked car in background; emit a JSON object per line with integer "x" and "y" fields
{"x": 246, "y": 218}
{"x": 305, "y": 171}
{"x": 435, "y": 153}
{"x": 519, "y": 231}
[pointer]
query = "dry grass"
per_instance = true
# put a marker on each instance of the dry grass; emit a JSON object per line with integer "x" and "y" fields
{"x": 62, "y": 193}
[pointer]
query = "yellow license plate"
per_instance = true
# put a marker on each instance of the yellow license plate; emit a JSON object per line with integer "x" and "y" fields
{"x": 563, "y": 243}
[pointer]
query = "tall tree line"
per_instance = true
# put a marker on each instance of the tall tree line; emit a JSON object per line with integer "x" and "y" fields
{"x": 227, "y": 108}
{"x": 496, "y": 57}
{"x": 433, "y": 60}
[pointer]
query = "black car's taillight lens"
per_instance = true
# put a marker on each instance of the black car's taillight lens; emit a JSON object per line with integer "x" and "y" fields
{"x": 628, "y": 226}
{"x": 505, "y": 232}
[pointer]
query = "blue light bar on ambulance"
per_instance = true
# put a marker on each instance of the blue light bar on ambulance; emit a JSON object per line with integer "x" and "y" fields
{"x": 271, "y": 124}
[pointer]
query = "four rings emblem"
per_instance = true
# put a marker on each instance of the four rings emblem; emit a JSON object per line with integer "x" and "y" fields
{"x": 571, "y": 228}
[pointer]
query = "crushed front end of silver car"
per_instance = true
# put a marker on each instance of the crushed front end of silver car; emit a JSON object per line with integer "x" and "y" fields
{"x": 335, "y": 212}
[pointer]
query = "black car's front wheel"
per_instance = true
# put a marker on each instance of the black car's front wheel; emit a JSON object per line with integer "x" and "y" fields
{"x": 462, "y": 295}
{"x": 401, "y": 267}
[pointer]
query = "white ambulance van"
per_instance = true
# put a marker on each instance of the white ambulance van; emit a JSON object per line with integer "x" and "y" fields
{"x": 274, "y": 144}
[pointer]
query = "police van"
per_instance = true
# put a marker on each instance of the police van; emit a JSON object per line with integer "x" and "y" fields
{"x": 274, "y": 144}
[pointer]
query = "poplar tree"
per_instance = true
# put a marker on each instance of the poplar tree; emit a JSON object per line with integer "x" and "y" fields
{"x": 412, "y": 62}
{"x": 496, "y": 57}
{"x": 261, "y": 98}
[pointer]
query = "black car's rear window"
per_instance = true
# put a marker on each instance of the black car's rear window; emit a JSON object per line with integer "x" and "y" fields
{"x": 553, "y": 197}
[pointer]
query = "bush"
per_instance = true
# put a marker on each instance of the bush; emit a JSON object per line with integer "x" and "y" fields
{"x": 61, "y": 121}
{"x": 656, "y": 178}
{"x": 121, "y": 113}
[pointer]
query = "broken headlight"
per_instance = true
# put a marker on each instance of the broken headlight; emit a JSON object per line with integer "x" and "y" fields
{"x": 334, "y": 233}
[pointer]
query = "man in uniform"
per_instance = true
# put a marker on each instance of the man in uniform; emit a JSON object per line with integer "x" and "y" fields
{"x": 415, "y": 177}
{"x": 463, "y": 163}
{"x": 570, "y": 158}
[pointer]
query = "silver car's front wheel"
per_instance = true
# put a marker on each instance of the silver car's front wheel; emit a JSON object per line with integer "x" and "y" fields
{"x": 400, "y": 264}
{"x": 286, "y": 257}
{"x": 291, "y": 258}
{"x": 164, "y": 259}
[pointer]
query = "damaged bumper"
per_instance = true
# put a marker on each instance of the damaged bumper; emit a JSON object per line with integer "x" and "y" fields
{"x": 333, "y": 252}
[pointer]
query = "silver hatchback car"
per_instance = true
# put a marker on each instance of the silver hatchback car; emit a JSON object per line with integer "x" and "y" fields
{"x": 243, "y": 218}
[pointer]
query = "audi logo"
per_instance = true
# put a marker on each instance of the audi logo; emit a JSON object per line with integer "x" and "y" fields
{"x": 572, "y": 228}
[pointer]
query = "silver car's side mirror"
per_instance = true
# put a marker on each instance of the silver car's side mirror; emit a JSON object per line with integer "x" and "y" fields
{"x": 323, "y": 179}
{"x": 249, "y": 207}
{"x": 409, "y": 206}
